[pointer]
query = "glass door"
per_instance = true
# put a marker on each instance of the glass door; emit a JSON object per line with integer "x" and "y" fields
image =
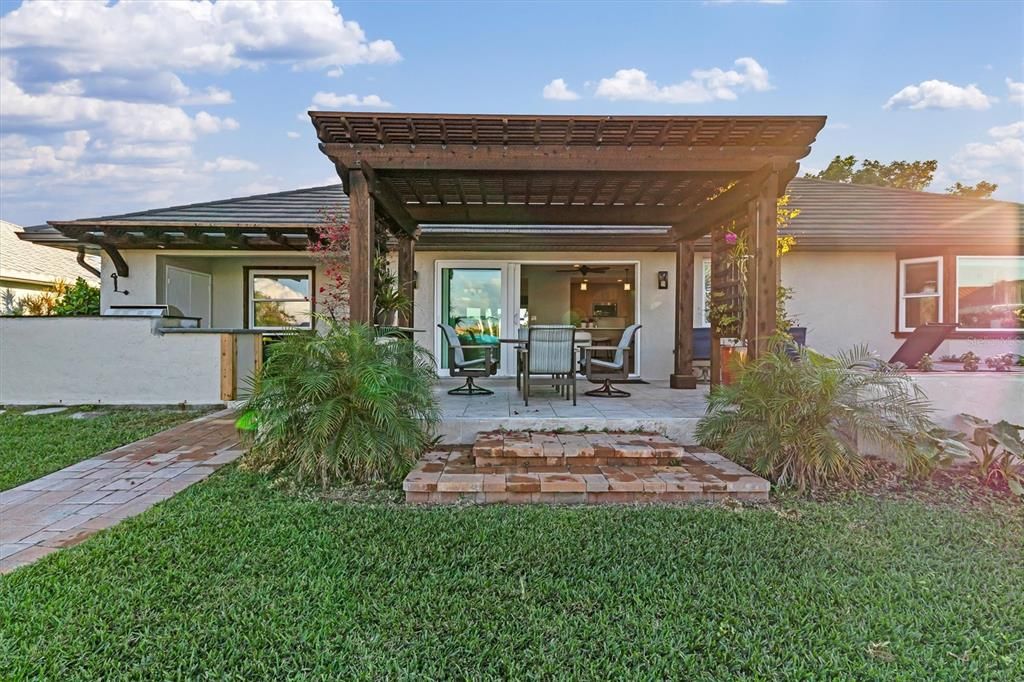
{"x": 472, "y": 302}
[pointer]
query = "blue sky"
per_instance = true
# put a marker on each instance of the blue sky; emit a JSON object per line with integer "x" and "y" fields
{"x": 106, "y": 108}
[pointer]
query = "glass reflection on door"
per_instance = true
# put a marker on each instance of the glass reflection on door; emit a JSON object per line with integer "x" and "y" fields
{"x": 471, "y": 304}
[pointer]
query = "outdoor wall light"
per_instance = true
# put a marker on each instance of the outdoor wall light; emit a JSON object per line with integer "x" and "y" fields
{"x": 663, "y": 279}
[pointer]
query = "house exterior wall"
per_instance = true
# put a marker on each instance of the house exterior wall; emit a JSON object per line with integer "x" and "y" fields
{"x": 147, "y": 278}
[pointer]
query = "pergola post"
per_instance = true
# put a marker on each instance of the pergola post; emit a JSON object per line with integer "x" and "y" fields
{"x": 361, "y": 225}
{"x": 763, "y": 268}
{"x": 682, "y": 377}
{"x": 407, "y": 277}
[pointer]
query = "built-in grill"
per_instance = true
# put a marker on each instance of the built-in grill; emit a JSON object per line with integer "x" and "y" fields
{"x": 169, "y": 315}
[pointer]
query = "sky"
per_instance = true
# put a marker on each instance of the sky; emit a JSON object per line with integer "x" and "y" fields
{"x": 111, "y": 107}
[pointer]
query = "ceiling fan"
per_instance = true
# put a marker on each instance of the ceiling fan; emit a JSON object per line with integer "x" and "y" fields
{"x": 584, "y": 269}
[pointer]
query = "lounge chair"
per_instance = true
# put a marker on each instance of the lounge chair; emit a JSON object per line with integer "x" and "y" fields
{"x": 549, "y": 352}
{"x": 607, "y": 371}
{"x": 459, "y": 366}
{"x": 925, "y": 339}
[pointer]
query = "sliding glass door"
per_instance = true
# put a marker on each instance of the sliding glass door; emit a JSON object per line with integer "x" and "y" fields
{"x": 472, "y": 302}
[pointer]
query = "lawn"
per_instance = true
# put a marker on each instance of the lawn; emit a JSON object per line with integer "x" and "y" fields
{"x": 31, "y": 447}
{"x": 234, "y": 579}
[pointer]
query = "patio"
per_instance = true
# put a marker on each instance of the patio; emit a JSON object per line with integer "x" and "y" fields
{"x": 653, "y": 406}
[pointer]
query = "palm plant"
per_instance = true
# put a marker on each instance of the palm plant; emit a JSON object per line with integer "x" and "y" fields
{"x": 801, "y": 422}
{"x": 341, "y": 405}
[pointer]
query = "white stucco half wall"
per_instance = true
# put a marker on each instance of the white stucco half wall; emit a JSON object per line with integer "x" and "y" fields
{"x": 94, "y": 360}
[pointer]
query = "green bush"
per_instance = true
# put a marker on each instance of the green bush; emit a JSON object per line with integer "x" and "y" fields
{"x": 799, "y": 422}
{"x": 81, "y": 298}
{"x": 341, "y": 405}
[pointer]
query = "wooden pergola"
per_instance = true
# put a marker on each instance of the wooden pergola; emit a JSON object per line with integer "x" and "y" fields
{"x": 692, "y": 175}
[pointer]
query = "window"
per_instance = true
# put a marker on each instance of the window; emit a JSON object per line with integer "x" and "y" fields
{"x": 990, "y": 292}
{"x": 920, "y": 292}
{"x": 705, "y": 269}
{"x": 280, "y": 299}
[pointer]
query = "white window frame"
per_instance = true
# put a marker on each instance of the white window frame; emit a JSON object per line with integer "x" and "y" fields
{"x": 264, "y": 272}
{"x": 903, "y": 296}
{"x": 956, "y": 294}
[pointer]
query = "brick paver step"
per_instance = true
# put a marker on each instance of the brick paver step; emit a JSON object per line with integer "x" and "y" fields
{"x": 525, "y": 448}
{"x": 640, "y": 470}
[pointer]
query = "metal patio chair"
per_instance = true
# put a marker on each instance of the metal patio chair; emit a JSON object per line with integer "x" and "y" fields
{"x": 459, "y": 366}
{"x": 550, "y": 353}
{"x": 607, "y": 371}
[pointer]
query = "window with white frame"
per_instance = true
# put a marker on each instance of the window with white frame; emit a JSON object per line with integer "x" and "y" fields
{"x": 280, "y": 299}
{"x": 705, "y": 292}
{"x": 920, "y": 292}
{"x": 990, "y": 292}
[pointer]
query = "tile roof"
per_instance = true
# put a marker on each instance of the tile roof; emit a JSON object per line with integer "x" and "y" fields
{"x": 833, "y": 216}
{"x": 30, "y": 262}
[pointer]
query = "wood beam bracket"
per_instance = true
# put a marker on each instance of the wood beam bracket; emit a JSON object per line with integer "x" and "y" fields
{"x": 120, "y": 266}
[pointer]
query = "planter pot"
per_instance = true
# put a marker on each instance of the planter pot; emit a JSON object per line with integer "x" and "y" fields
{"x": 733, "y": 356}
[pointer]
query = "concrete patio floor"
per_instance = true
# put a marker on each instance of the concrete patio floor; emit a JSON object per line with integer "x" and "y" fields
{"x": 652, "y": 407}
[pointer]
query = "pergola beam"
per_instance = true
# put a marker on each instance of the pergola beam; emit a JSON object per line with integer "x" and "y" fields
{"x": 554, "y": 158}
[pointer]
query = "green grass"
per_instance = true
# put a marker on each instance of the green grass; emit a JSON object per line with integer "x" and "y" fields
{"x": 31, "y": 447}
{"x": 233, "y": 579}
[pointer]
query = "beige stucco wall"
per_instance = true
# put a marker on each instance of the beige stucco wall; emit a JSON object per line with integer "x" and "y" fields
{"x": 147, "y": 277}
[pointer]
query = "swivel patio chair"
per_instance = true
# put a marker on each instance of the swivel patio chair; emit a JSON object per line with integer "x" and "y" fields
{"x": 549, "y": 352}
{"x": 459, "y": 366}
{"x": 607, "y": 371}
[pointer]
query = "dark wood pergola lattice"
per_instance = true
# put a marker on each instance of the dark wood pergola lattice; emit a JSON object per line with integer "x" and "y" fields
{"x": 687, "y": 174}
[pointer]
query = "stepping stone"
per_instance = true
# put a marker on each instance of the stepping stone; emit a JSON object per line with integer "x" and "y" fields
{"x": 88, "y": 415}
{"x": 44, "y": 410}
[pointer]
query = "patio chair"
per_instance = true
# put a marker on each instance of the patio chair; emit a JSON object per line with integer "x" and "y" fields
{"x": 459, "y": 366}
{"x": 607, "y": 371}
{"x": 925, "y": 339}
{"x": 549, "y": 352}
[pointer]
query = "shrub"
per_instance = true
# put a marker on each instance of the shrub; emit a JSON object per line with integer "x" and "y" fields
{"x": 80, "y": 298}
{"x": 1000, "y": 452}
{"x": 799, "y": 422}
{"x": 341, "y": 405}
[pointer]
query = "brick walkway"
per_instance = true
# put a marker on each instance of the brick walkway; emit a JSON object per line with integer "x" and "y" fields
{"x": 66, "y": 507}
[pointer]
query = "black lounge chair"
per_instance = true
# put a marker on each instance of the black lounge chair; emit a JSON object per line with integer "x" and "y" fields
{"x": 925, "y": 339}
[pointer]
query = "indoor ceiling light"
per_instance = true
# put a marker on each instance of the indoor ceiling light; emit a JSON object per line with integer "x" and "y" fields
{"x": 583, "y": 285}
{"x": 627, "y": 286}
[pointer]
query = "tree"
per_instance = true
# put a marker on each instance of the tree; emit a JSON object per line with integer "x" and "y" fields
{"x": 915, "y": 175}
{"x": 982, "y": 190}
{"x": 81, "y": 298}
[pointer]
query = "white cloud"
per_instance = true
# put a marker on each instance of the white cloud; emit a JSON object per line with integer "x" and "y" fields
{"x": 208, "y": 123}
{"x": 558, "y": 90}
{"x": 1012, "y": 130}
{"x": 936, "y": 94}
{"x": 335, "y": 73}
{"x": 330, "y": 100}
{"x": 1016, "y": 90}
{"x": 705, "y": 85}
{"x": 293, "y": 135}
{"x": 93, "y": 37}
{"x": 1001, "y": 161}
{"x": 227, "y": 164}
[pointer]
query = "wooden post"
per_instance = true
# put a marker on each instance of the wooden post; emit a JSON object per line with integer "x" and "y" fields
{"x": 683, "y": 377}
{"x": 718, "y": 269}
{"x": 361, "y": 236}
{"x": 407, "y": 277}
{"x": 228, "y": 366}
{"x": 763, "y": 270}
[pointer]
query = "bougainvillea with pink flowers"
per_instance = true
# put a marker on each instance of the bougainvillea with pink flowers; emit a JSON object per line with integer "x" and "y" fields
{"x": 330, "y": 250}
